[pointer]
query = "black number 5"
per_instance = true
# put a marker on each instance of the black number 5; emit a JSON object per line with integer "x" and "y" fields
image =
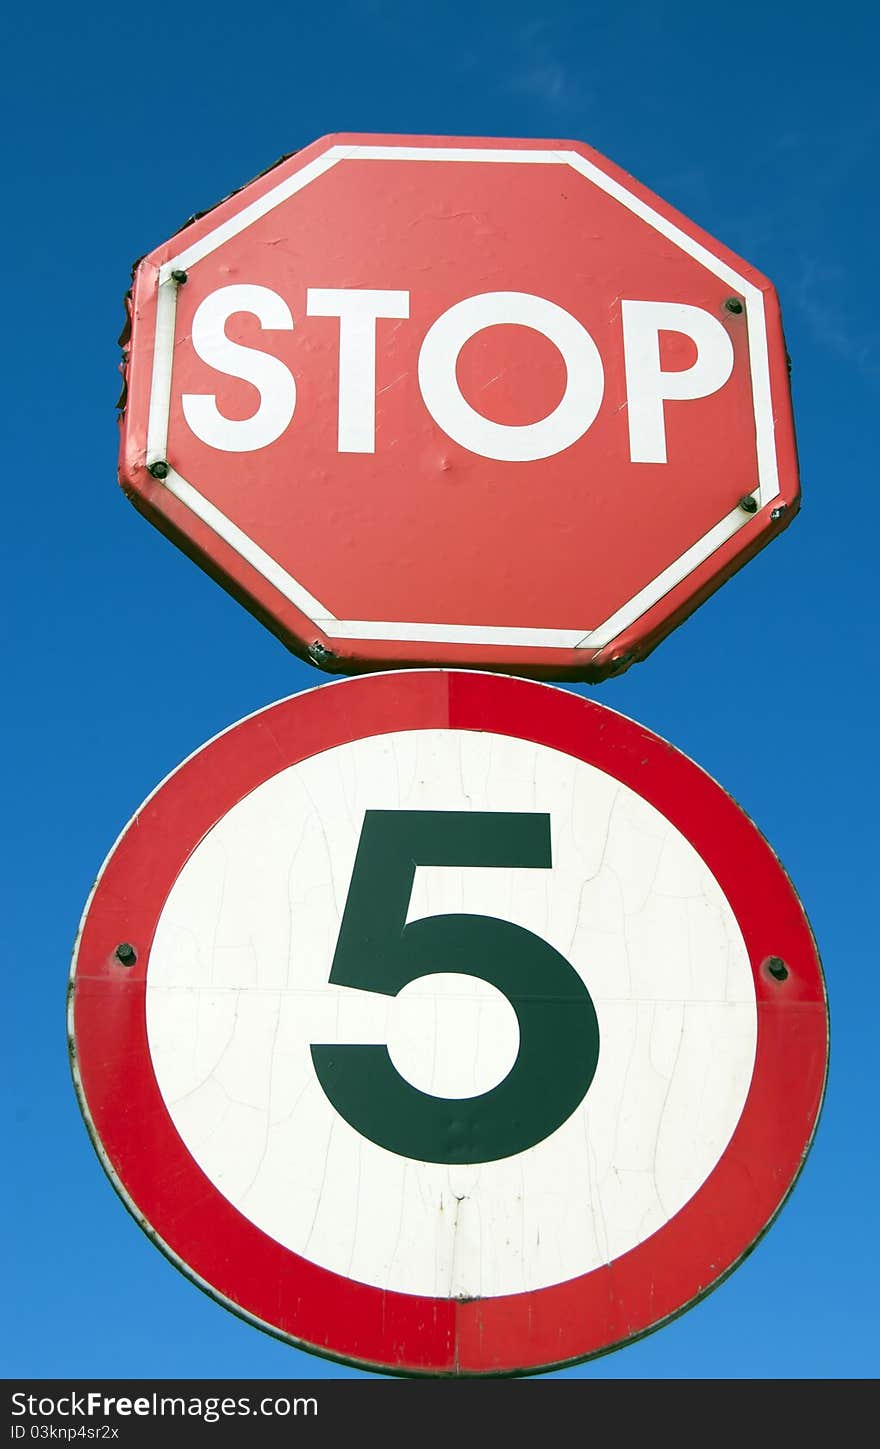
{"x": 378, "y": 951}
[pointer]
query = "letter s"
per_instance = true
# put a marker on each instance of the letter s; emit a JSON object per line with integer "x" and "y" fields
{"x": 272, "y": 379}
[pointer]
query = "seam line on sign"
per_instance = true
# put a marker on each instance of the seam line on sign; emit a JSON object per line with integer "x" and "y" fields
{"x": 257, "y": 557}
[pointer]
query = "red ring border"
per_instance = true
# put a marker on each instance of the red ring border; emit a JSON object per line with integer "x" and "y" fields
{"x": 311, "y": 1307}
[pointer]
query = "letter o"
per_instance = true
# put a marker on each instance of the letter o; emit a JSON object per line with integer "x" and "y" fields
{"x": 507, "y": 443}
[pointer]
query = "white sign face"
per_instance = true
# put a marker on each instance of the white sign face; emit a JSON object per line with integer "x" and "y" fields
{"x": 238, "y": 994}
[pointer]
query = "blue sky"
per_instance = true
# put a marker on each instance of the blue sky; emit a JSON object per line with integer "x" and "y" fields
{"x": 762, "y": 125}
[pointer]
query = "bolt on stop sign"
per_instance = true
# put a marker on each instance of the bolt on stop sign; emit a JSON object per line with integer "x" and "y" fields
{"x": 432, "y": 401}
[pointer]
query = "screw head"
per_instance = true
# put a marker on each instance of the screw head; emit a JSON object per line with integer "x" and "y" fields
{"x": 179, "y": 276}
{"x": 733, "y": 304}
{"x": 748, "y": 504}
{"x": 125, "y": 953}
{"x": 778, "y": 512}
{"x": 159, "y": 469}
{"x": 777, "y": 968}
{"x": 321, "y": 655}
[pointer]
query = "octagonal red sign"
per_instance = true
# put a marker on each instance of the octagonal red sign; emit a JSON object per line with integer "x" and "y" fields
{"x": 431, "y": 400}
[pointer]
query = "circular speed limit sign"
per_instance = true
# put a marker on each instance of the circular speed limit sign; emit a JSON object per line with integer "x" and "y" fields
{"x": 446, "y": 1023}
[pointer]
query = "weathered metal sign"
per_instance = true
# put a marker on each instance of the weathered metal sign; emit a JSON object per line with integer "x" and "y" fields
{"x": 448, "y": 1023}
{"x": 471, "y": 402}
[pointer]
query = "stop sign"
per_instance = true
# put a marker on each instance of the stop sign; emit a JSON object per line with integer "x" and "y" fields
{"x": 492, "y": 403}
